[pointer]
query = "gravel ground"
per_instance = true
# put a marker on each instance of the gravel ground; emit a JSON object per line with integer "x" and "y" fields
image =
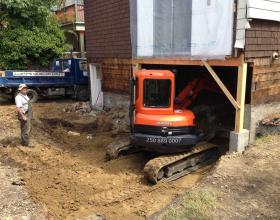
{"x": 15, "y": 203}
{"x": 241, "y": 187}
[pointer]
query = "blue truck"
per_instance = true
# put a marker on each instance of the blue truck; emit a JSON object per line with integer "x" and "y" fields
{"x": 68, "y": 77}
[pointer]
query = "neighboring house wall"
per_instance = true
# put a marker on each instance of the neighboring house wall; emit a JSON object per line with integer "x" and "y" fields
{"x": 71, "y": 17}
{"x": 109, "y": 41}
{"x": 262, "y": 40}
{"x": 66, "y": 15}
{"x": 254, "y": 9}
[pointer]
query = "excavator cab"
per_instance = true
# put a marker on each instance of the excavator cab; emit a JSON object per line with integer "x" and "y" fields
{"x": 156, "y": 124}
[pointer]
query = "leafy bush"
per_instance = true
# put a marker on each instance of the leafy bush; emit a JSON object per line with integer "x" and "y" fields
{"x": 30, "y": 35}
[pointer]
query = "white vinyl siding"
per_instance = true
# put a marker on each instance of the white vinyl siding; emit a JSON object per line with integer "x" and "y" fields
{"x": 254, "y": 9}
{"x": 242, "y": 23}
{"x": 264, "y": 9}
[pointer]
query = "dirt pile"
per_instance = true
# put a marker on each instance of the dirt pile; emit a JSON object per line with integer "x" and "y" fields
{"x": 271, "y": 121}
{"x": 269, "y": 125}
{"x": 80, "y": 107}
{"x": 120, "y": 120}
{"x": 116, "y": 119}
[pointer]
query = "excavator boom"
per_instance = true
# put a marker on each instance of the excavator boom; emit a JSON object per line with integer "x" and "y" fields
{"x": 192, "y": 91}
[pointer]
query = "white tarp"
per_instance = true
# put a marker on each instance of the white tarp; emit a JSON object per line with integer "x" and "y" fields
{"x": 145, "y": 33}
{"x": 264, "y": 9}
{"x": 204, "y": 28}
{"x": 212, "y": 28}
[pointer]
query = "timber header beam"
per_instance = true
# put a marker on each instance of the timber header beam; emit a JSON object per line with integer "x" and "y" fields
{"x": 231, "y": 62}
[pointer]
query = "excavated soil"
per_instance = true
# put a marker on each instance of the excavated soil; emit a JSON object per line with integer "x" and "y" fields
{"x": 67, "y": 171}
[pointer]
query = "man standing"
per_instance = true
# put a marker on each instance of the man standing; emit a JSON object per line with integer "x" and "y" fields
{"x": 24, "y": 111}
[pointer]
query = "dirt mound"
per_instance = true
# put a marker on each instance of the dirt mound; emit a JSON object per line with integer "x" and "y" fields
{"x": 273, "y": 120}
{"x": 269, "y": 125}
{"x": 116, "y": 119}
{"x": 80, "y": 107}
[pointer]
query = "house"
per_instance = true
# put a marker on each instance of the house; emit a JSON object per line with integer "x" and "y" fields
{"x": 236, "y": 41}
{"x": 70, "y": 13}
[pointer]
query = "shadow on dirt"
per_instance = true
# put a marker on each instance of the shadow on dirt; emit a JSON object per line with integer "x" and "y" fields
{"x": 11, "y": 141}
{"x": 98, "y": 125}
{"x": 11, "y": 101}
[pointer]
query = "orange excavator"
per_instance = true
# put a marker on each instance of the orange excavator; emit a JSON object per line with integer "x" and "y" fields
{"x": 165, "y": 126}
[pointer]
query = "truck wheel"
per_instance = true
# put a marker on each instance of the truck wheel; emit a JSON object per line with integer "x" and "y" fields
{"x": 82, "y": 94}
{"x": 33, "y": 95}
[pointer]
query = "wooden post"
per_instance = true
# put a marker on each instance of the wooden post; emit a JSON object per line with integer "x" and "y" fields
{"x": 241, "y": 93}
{"x": 82, "y": 43}
{"x": 221, "y": 85}
{"x": 135, "y": 68}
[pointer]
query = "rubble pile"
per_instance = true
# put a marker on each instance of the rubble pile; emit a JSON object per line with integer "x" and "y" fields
{"x": 269, "y": 125}
{"x": 271, "y": 121}
{"x": 80, "y": 107}
{"x": 120, "y": 119}
{"x": 115, "y": 119}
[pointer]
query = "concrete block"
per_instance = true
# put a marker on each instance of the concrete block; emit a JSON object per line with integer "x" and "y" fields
{"x": 238, "y": 141}
{"x": 112, "y": 100}
{"x": 247, "y": 117}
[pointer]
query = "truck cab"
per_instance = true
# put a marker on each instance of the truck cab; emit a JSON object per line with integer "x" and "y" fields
{"x": 75, "y": 68}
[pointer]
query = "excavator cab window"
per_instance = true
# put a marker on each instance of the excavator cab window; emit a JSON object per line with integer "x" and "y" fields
{"x": 157, "y": 93}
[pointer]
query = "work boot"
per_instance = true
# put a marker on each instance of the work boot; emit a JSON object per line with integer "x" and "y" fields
{"x": 27, "y": 145}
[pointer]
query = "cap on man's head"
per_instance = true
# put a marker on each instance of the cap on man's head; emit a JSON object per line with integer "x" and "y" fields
{"x": 22, "y": 86}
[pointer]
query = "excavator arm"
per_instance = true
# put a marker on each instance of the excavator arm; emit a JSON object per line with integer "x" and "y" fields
{"x": 192, "y": 91}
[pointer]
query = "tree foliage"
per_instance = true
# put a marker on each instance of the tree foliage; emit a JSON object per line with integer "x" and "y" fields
{"x": 29, "y": 34}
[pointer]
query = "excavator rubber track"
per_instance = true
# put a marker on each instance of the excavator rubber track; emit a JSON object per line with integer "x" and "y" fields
{"x": 117, "y": 149}
{"x": 171, "y": 167}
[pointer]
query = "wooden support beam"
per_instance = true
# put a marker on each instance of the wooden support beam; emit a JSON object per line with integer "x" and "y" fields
{"x": 241, "y": 93}
{"x": 233, "y": 62}
{"x": 135, "y": 68}
{"x": 82, "y": 43}
{"x": 221, "y": 85}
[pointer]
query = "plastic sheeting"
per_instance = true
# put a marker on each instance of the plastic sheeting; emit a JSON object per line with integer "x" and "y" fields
{"x": 171, "y": 35}
{"x": 186, "y": 28}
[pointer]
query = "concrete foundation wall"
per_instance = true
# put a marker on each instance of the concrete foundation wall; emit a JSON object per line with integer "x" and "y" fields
{"x": 115, "y": 100}
{"x": 260, "y": 112}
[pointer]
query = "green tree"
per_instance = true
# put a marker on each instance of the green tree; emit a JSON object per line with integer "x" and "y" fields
{"x": 30, "y": 34}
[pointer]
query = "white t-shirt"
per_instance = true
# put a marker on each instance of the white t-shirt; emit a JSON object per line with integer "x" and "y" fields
{"x": 22, "y": 102}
